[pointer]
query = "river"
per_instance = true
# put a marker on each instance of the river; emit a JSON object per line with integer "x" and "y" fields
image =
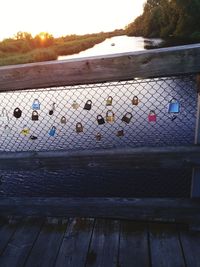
{"x": 114, "y": 45}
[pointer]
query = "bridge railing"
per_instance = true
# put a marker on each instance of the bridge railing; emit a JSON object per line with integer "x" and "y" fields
{"x": 144, "y": 105}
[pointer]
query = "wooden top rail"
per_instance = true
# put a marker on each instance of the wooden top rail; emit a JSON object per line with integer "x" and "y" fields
{"x": 126, "y": 66}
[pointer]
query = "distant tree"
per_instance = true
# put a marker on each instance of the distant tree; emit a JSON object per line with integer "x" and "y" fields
{"x": 168, "y": 18}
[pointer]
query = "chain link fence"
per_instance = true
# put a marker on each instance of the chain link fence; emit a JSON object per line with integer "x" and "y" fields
{"x": 141, "y": 112}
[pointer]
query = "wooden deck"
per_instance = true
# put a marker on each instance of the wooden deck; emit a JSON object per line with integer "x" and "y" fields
{"x": 78, "y": 242}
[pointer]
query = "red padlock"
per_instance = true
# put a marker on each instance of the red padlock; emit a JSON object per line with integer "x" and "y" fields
{"x": 152, "y": 116}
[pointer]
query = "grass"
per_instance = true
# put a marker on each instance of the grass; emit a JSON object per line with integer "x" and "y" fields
{"x": 21, "y": 51}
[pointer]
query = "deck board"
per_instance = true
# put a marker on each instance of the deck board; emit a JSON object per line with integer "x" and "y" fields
{"x": 6, "y": 232}
{"x": 46, "y": 247}
{"x": 104, "y": 244}
{"x": 165, "y": 246}
{"x": 75, "y": 245}
{"x": 133, "y": 249}
{"x": 191, "y": 247}
{"x": 93, "y": 242}
{"x": 19, "y": 247}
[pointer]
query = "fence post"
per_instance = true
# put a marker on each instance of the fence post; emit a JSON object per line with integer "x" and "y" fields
{"x": 195, "y": 188}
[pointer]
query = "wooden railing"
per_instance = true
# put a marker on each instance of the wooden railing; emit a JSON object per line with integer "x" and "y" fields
{"x": 120, "y": 67}
{"x": 126, "y": 66}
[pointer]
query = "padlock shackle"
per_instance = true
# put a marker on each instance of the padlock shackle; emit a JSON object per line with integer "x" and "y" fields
{"x": 110, "y": 111}
{"x": 4, "y": 113}
{"x": 129, "y": 113}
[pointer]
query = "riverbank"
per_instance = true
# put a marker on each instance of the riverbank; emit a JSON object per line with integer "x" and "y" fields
{"x": 27, "y": 49}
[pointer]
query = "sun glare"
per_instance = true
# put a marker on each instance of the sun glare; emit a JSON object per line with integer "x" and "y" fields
{"x": 63, "y": 17}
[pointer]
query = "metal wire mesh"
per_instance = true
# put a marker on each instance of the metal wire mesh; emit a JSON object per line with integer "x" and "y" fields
{"x": 67, "y": 116}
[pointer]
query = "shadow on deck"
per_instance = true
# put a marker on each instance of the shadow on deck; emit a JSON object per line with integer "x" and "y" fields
{"x": 28, "y": 241}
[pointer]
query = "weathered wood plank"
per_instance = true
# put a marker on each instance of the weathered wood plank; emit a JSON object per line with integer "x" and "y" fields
{"x": 165, "y": 246}
{"x": 195, "y": 188}
{"x": 133, "y": 250}
{"x": 46, "y": 247}
{"x": 20, "y": 245}
{"x": 191, "y": 246}
{"x": 125, "y": 66}
{"x": 149, "y": 209}
{"x": 104, "y": 244}
{"x": 7, "y": 230}
{"x": 143, "y": 156}
{"x": 74, "y": 248}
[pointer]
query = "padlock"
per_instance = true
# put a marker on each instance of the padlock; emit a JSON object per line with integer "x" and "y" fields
{"x": 7, "y": 129}
{"x": 4, "y": 116}
{"x": 36, "y": 104}
{"x": 109, "y": 101}
{"x": 174, "y": 106}
{"x": 110, "y": 116}
{"x": 98, "y": 136}
{"x": 52, "y": 131}
{"x": 35, "y": 116}
{"x": 17, "y": 113}
{"x": 63, "y": 120}
{"x": 120, "y": 133}
{"x": 127, "y": 117}
{"x": 79, "y": 127}
{"x": 33, "y": 137}
{"x": 88, "y": 105}
{"x": 135, "y": 101}
{"x": 75, "y": 105}
{"x": 52, "y": 109}
{"x": 152, "y": 116}
{"x": 100, "y": 120}
{"x": 25, "y": 131}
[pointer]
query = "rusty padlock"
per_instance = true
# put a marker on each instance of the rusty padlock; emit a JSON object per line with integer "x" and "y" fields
{"x": 75, "y": 105}
{"x": 88, "y": 105}
{"x": 135, "y": 101}
{"x": 152, "y": 116}
{"x": 127, "y": 117}
{"x": 110, "y": 116}
{"x": 120, "y": 133}
{"x": 100, "y": 120}
{"x": 79, "y": 127}
{"x": 109, "y": 101}
{"x": 98, "y": 136}
{"x": 35, "y": 116}
{"x": 63, "y": 120}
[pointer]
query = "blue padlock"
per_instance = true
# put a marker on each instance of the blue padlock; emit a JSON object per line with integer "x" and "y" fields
{"x": 174, "y": 106}
{"x": 52, "y": 131}
{"x": 36, "y": 104}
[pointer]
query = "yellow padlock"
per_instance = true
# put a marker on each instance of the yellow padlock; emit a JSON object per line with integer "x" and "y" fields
{"x": 109, "y": 101}
{"x": 25, "y": 131}
{"x": 110, "y": 116}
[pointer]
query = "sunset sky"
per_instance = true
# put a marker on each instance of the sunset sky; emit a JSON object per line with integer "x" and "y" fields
{"x": 63, "y": 17}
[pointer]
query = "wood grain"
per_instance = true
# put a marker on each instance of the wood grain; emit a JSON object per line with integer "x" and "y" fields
{"x": 147, "y": 209}
{"x": 126, "y": 66}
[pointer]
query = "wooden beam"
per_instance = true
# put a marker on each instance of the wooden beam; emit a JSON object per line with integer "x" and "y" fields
{"x": 125, "y": 66}
{"x": 144, "y": 157}
{"x": 147, "y": 209}
{"x": 195, "y": 188}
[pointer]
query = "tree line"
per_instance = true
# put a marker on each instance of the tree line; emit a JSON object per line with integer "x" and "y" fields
{"x": 178, "y": 19}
